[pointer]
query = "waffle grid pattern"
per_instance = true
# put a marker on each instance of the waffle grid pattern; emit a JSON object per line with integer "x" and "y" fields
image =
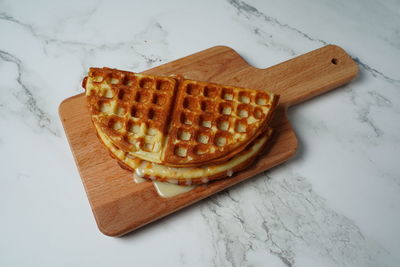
{"x": 209, "y": 118}
{"x": 209, "y": 121}
{"x": 133, "y": 109}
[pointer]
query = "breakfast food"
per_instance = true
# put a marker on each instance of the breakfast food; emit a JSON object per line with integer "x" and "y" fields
{"x": 184, "y": 131}
{"x": 131, "y": 110}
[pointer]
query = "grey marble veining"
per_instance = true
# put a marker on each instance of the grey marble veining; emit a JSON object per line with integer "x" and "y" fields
{"x": 336, "y": 203}
{"x": 291, "y": 220}
{"x": 25, "y": 96}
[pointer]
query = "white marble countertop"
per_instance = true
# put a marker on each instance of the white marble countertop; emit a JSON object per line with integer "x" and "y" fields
{"x": 337, "y": 203}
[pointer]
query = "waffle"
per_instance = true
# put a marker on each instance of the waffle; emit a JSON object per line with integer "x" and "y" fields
{"x": 132, "y": 109}
{"x": 211, "y": 122}
{"x": 175, "y": 121}
{"x": 186, "y": 175}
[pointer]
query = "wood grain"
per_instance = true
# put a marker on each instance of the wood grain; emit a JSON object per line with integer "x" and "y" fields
{"x": 120, "y": 206}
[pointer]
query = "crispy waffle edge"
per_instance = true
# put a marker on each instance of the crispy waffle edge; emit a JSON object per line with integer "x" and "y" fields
{"x": 200, "y": 180}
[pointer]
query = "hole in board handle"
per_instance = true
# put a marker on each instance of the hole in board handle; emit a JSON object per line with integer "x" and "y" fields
{"x": 334, "y": 61}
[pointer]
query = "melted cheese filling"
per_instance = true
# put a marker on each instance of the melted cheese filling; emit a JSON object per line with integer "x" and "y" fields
{"x": 163, "y": 189}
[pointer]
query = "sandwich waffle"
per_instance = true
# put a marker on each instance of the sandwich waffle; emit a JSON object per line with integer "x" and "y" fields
{"x": 175, "y": 121}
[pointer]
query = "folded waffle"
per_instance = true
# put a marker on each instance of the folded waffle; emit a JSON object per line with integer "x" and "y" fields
{"x": 186, "y": 175}
{"x": 175, "y": 121}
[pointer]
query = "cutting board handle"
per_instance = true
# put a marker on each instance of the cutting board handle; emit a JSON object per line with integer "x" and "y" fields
{"x": 311, "y": 74}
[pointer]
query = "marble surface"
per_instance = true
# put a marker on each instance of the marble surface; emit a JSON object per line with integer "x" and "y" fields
{"x": 337, "y": 203}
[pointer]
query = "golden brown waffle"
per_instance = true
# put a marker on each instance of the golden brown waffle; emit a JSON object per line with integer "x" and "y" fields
{"x": 212, "y": 122}
{"x": 173, "y": 121}
{"x": 132, "y": 109}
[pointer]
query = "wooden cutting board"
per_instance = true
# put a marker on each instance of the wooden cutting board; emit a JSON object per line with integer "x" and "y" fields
{"x": 120, "y": 205}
